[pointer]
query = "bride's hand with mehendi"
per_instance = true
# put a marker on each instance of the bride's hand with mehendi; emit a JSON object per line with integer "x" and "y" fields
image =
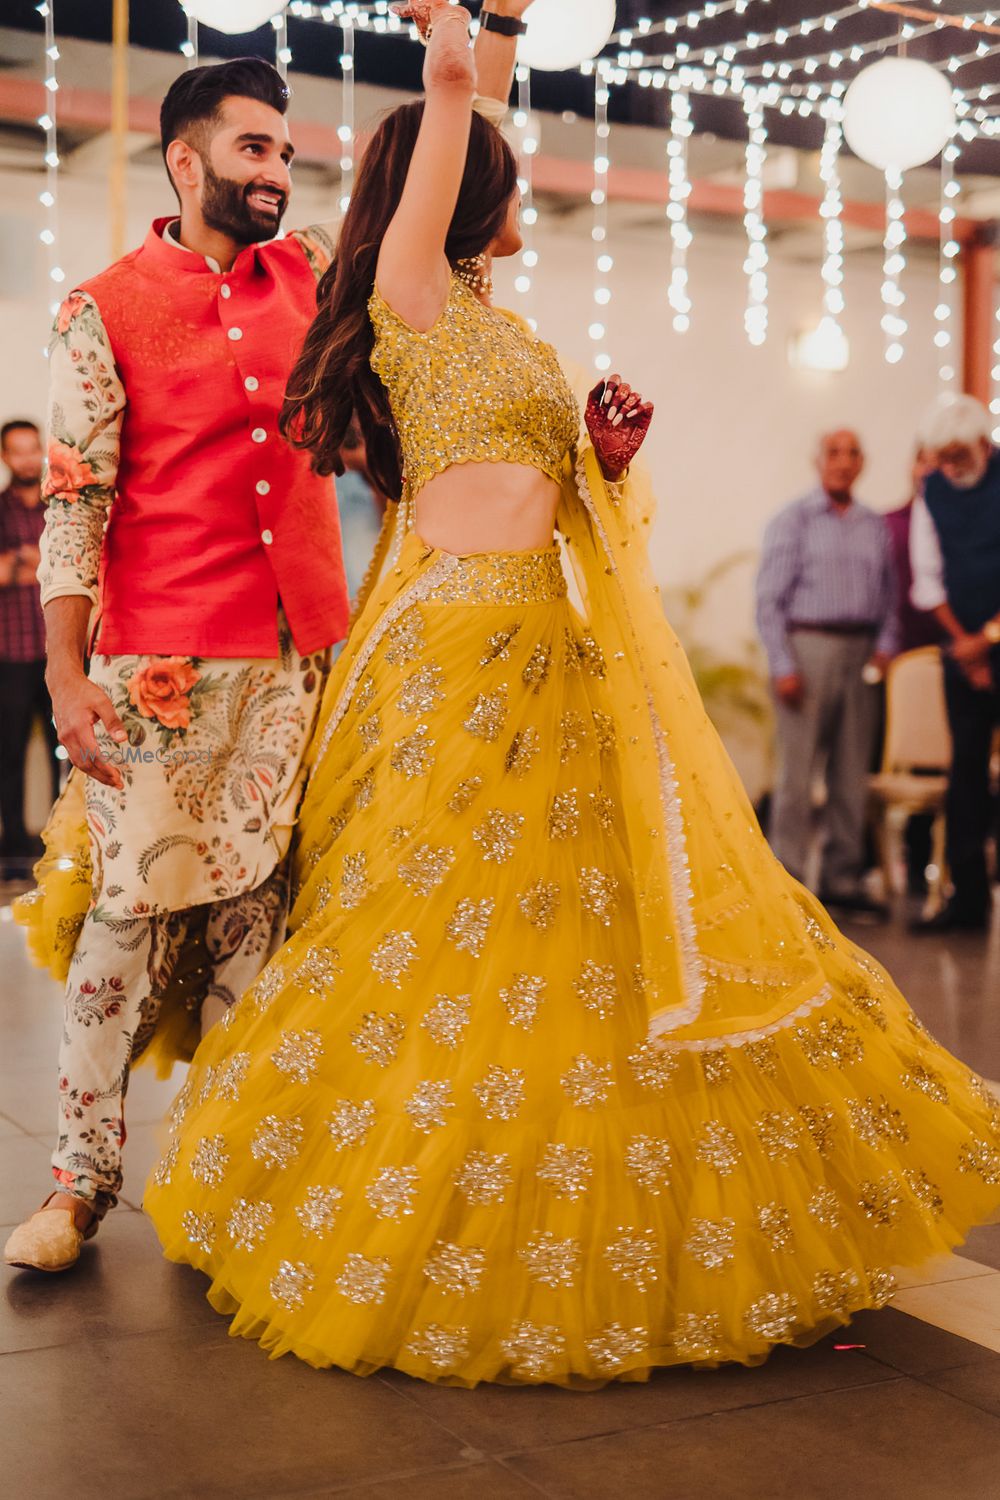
{"x": 618, "y": 420}
{"x": 421, "y": 13}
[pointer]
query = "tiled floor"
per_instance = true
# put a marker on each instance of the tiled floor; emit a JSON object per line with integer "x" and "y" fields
{"x": 120, "y": 1381}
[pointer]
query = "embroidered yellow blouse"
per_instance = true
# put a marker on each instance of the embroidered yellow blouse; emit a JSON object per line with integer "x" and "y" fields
{"x": 478, "y": 387}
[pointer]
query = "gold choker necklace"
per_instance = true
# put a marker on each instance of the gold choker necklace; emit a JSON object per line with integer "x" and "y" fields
{"x": 472, "y": 271}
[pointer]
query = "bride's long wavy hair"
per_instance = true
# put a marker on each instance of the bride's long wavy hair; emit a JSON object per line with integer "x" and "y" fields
{"x": 333, "y": 378}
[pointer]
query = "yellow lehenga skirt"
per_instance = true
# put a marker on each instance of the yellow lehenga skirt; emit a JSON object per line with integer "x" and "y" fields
{"x": 438, "y": 1134}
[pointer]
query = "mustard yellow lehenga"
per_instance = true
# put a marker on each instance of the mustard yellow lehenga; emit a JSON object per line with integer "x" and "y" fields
{"x": 559, "y": 1076}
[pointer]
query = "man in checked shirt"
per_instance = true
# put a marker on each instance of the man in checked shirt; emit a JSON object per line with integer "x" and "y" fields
{"x": 23, "y": 693}
{"x": 827, "y": 614}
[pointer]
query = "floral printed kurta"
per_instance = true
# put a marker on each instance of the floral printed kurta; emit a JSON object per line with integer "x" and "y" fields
{"x": 214, "y": 765}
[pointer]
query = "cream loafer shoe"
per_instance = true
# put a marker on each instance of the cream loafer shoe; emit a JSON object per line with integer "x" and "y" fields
{"x": 48, "y": 1241}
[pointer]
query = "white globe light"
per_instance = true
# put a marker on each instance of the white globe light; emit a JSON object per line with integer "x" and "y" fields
{"x": 234, "y": 16}
{"x": 564, "y": 33}
{"x": 898, "y": 113}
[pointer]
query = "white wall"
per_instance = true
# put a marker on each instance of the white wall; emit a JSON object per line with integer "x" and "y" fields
{"x": 735, "y": 426}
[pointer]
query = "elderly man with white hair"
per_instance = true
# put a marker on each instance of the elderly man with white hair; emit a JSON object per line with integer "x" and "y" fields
{"x": 955, "y": 556}
{"x": 826, "y": 611}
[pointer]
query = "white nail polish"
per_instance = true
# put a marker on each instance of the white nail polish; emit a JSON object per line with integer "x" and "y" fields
{"x": 612, "y": 413}
{"x": 618, "y": 421}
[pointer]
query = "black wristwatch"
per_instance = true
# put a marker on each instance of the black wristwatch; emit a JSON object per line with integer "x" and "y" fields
{"x": 502, "y": 25}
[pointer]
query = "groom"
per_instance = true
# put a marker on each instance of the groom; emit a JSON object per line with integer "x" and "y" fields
{"x": 198, "y": 556}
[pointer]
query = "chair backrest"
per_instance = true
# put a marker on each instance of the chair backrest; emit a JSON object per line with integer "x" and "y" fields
{"x": 917, "y": 737}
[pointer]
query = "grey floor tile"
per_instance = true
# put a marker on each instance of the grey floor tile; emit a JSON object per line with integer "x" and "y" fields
{"x": 507, "y": 1419}
{"x": 897, "y": 1441}
{"x": 977, "y": 1384}
{"x": 983, "y": 1245}
{"x": 196, "y": 1415}
{"x": 474, "y": 1481}
{"x": 31, "y": 1014}
{"x": 9, "y": 1128}
{"x": 122, "y": 1285}
{"x": 913, "y": 1348}
{"x": 30, "y": 1097}
{"x": 25, "y": 1177}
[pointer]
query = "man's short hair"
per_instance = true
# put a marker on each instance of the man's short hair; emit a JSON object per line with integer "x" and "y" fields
{"x": 829, "y": 432}
{"x": 18, "y": 424}
{"x": 955, "y": 419}
{"x": 193, "y": 103}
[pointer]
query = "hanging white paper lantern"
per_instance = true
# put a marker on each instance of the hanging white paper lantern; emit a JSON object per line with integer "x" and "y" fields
{"x": 564, "y": 33}
{"x": 898, "y": 113}
{"x": 234, "y": 16}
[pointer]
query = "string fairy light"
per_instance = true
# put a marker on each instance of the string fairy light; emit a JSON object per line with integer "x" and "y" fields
{"x": 646, "y": 26}
{"x": 755, "y": 265}
{"x": 603, "y": 260}
{"x": 755, "y": 69}
{"x": 679, "y": 185}
{"x": 831, "y": 211}
{"x": 189, "y": 46}
{"x": 995, "y": 403}
{"x": 945, "y": 311}
{"x": 345, "y": 131}
{"x": 47, "y": 121}
{"x": 894, "y": 324}
{"x": 525, "y": 122}
{"x": 282, "y": 51}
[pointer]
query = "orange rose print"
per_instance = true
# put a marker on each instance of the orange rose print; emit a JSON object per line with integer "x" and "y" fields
{"x": 68, "y": 311}
{"x": 67, "y": 473}
{"x": 160, "y": 691}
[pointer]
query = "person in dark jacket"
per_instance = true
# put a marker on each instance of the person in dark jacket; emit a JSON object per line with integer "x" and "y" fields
{"x": 955, "y": 556}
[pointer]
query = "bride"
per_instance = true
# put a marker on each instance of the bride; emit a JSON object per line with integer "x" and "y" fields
{"x": 559, "y": 1076}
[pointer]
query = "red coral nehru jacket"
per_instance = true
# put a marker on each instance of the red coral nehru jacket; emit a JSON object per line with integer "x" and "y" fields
{"x": 215, "y": 516}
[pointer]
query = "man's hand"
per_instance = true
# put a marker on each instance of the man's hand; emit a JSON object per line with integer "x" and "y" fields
{"x": 876, "y": 666}
{"x": 968, "y": 650}
{"x": 790, "y": 690}
{"x": 979, "y": 676}
{"x": 77, "y": 705}
{"x": 8, "y": 569}
{"x": 26, "y": 568}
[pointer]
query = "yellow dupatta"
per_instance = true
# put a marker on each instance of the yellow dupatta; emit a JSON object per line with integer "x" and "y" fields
{"x": 729, "y": 942}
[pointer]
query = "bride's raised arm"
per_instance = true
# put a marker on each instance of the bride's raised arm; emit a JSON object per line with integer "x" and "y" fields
{"x": 413, "y": 275}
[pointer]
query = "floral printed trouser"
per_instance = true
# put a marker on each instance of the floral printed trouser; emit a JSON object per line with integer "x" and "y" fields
{"x": 113, "y": 999}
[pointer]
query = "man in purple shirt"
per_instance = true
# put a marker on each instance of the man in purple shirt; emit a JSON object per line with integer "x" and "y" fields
{"x": 23, "y": 693}
{"x": 826, "y": 611}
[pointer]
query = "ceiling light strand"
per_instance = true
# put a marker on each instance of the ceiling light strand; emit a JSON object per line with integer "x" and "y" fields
{"x": 679, "y": 187}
